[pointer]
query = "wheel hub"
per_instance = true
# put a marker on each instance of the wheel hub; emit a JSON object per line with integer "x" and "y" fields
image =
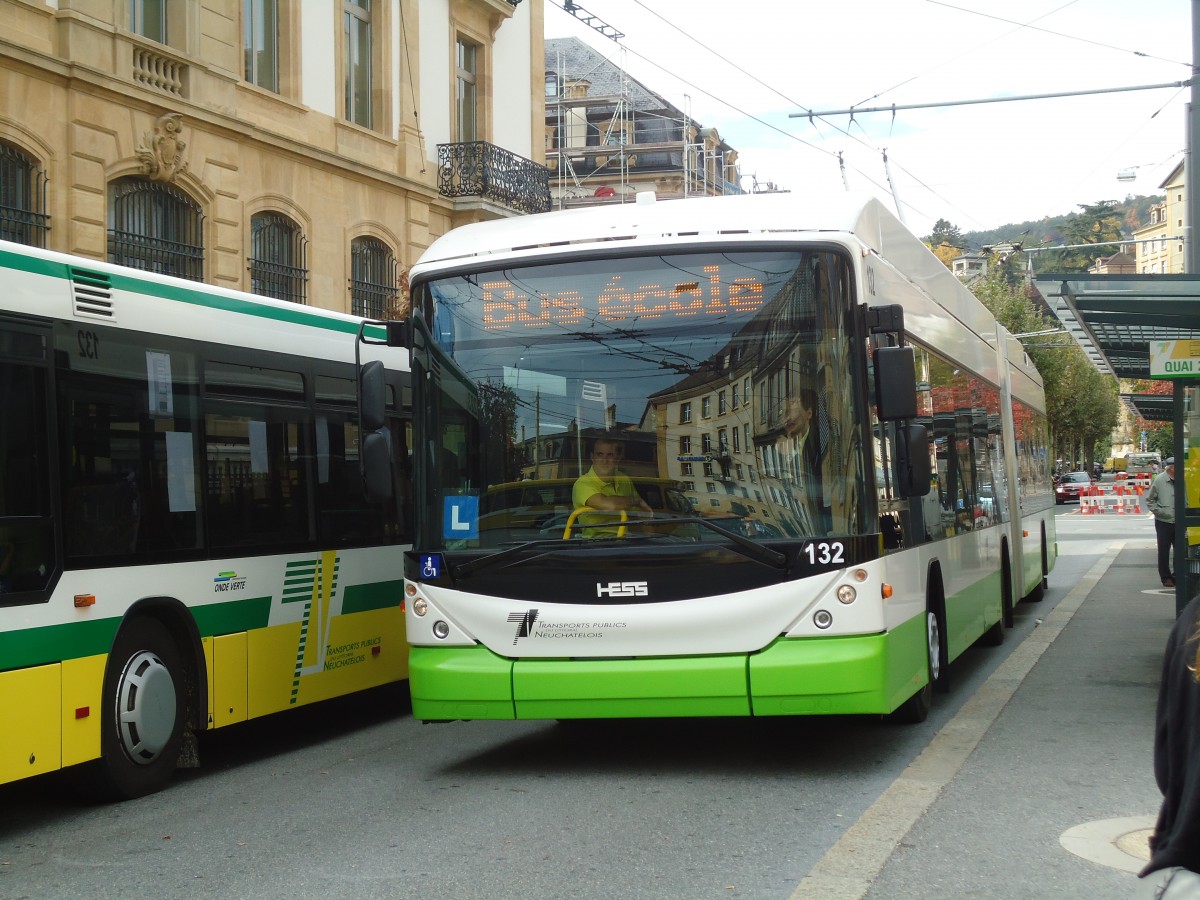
{"x": 145, "y": 707}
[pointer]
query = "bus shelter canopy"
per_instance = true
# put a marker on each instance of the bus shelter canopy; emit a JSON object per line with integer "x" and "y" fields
{"x": 1115, "y": 317}
{"x": 1151, "y": 407}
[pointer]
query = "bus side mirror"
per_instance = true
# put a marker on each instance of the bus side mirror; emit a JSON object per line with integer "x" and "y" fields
{"x": 377, "y": 466}
{"x": 913, "y": 468}
{"x": 371, "y": 396}
{"x": 398, "y": 333}
{"x": 376, "y": 462}
{"x": 895, "y": 383}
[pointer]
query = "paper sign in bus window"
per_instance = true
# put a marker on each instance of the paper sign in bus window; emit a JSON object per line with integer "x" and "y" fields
{"x": 181, "y": 472}
{"x": 158, "y": 375}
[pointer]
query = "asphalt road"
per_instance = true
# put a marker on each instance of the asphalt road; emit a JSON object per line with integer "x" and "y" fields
{"x": 355, "y": 799}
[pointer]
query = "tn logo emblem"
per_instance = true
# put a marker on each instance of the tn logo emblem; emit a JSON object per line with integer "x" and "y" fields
{"x": 524, "y": 622}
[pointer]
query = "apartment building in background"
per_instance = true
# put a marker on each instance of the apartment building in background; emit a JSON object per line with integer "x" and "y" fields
{"x": 1160, "y": 247}
{"x": 608, "y": 136}
{"x": 307, "y": 151}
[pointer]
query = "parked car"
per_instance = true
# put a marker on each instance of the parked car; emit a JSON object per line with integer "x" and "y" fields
{"x": 1070, "y": 485}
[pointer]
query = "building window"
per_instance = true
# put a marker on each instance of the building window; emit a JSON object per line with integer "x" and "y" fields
{"x": 736, "y": 404}
{"x": 260, "y": 40}
{"x": 149, "y": 19}
{"x": 278, "y": 253}
{"x": 357, "y": 24}
{"x": 706, "y": 408}
{"x": 373, "y": 291}
{"x": 706, "y": 442}
{"x": 155, "y": 227}
{"x": 685, "y": 469}
{"x": 721, "y": 407}
{"x": 737, "y": 440}
{"x": 466, "y": 92}
{"x": 685, "y": 413}
{"x": 685, "y": 444}
{"x": 23, "y": 216}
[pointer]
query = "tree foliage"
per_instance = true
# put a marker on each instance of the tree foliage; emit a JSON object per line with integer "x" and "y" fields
{"x": 1097, "y": 223}
{"x": 947, "y": 233}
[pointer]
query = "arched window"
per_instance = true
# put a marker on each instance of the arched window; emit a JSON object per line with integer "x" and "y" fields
{"x": 23, "y": 216}
{"x": 278, "y": 264}
{"x": 373, "y": 289}
{"x": 156, "y": 227}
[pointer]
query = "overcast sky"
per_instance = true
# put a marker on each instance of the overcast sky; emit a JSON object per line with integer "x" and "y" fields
{"x": 744, "y": 66}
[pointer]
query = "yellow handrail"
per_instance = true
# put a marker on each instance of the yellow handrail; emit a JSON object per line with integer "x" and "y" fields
{"x": 575, "y": 515}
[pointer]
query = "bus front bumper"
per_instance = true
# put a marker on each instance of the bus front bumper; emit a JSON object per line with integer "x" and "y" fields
{"x": 811, "y": 676}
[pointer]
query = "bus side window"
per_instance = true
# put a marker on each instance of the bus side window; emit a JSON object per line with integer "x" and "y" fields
{"x": 26, "y": 524}
{"x": 129, "y": 448}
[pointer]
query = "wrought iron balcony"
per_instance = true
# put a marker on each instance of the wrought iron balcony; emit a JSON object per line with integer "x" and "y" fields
{"x": 480, "y": 169}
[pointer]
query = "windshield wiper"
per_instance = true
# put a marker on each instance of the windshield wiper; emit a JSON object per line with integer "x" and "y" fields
{"x": 747, "y": 547}
{"x": 501, "y": 556}
{"x": 744, "y": 545}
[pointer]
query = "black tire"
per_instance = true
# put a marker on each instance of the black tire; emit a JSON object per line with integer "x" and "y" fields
{"x": 916, "y": 708}
{"x": 994, "y": 636}
{"x": 1040, "y": 591}
{"x": 142, "y": 714}
{"x": 1006, "y": 588}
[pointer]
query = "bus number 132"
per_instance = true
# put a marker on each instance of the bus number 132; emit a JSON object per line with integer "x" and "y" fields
{"x": 825, "y": 553}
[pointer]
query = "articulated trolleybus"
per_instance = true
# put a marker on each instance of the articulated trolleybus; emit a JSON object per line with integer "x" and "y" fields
{"x": 738, "y": 456}
{"x": 185, "y": 539}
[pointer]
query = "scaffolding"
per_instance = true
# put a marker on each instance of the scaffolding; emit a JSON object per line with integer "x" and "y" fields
{"x": 605, "y": 147}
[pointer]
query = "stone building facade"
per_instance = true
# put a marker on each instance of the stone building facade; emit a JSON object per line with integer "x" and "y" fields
{"x": 304, "y": 150}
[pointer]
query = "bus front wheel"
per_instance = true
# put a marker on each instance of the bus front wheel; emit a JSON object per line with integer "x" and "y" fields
{"x": 916, "y": 708}
{"x": 142, "y": 715}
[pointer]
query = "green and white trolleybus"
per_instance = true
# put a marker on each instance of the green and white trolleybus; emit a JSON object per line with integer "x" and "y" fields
{"x": 185, "y": 540}
{"x": 860, "y": 449}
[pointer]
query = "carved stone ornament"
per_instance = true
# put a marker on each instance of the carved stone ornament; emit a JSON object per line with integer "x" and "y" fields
{"x": 162, "y": 149}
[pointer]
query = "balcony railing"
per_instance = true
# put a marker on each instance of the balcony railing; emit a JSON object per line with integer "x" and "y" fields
{"x": 480, "y": 169}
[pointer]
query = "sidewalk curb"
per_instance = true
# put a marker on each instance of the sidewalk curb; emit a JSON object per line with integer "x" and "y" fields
{"x": 849, "y": 868}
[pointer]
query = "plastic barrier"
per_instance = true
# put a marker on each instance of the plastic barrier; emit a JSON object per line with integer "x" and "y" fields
{"x": 1121, "y": 501}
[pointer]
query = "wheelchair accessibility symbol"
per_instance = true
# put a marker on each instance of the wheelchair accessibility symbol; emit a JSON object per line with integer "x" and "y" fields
{"x": 431, "y": 566}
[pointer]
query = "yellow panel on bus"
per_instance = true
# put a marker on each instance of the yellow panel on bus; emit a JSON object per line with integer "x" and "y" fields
{"x": 82, "y": 688}
{"x": 30, "y": 721}
{"x": 289, "y": 667}
{"x": 229, "y": 679}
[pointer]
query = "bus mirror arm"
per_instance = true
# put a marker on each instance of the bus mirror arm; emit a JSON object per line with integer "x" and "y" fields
{"x": 913, "y": 466}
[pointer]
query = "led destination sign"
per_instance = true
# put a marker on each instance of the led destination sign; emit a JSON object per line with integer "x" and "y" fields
{"x": 509, "y": 305}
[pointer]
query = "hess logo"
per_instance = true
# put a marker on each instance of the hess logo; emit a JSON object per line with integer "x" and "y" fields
{"x": 622, "y": 589}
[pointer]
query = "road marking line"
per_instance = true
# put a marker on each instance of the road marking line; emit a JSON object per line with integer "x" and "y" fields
{"x": 849, "y": 868}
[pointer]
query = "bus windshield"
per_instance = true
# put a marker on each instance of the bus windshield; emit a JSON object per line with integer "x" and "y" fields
{"x": 584, "y": 400}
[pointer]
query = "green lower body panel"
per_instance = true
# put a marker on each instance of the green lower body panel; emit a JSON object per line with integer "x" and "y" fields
{"x": 812, "y": 676}
{"x": 459, "y": 683}
{"x": 630, "y": 688}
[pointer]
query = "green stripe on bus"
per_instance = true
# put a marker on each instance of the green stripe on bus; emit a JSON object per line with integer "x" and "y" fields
{"x": 232, "y": 617}
{"x": 366, "y": 597}
{"x": 119, "y": 281}
{"x": 54, "y": 643}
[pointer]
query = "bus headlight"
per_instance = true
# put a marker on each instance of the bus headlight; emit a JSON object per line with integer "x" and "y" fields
{"x": 847, "y": 594}
{"x": 822, "y": 619}
{"x": 440, "y": 629}
{"x": 420, "y": 606}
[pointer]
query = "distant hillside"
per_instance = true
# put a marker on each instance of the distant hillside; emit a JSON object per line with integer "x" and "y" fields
{"x": 1134, "y": 212}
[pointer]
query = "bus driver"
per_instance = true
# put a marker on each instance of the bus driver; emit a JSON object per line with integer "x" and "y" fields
{"x": 604, "y": 487}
